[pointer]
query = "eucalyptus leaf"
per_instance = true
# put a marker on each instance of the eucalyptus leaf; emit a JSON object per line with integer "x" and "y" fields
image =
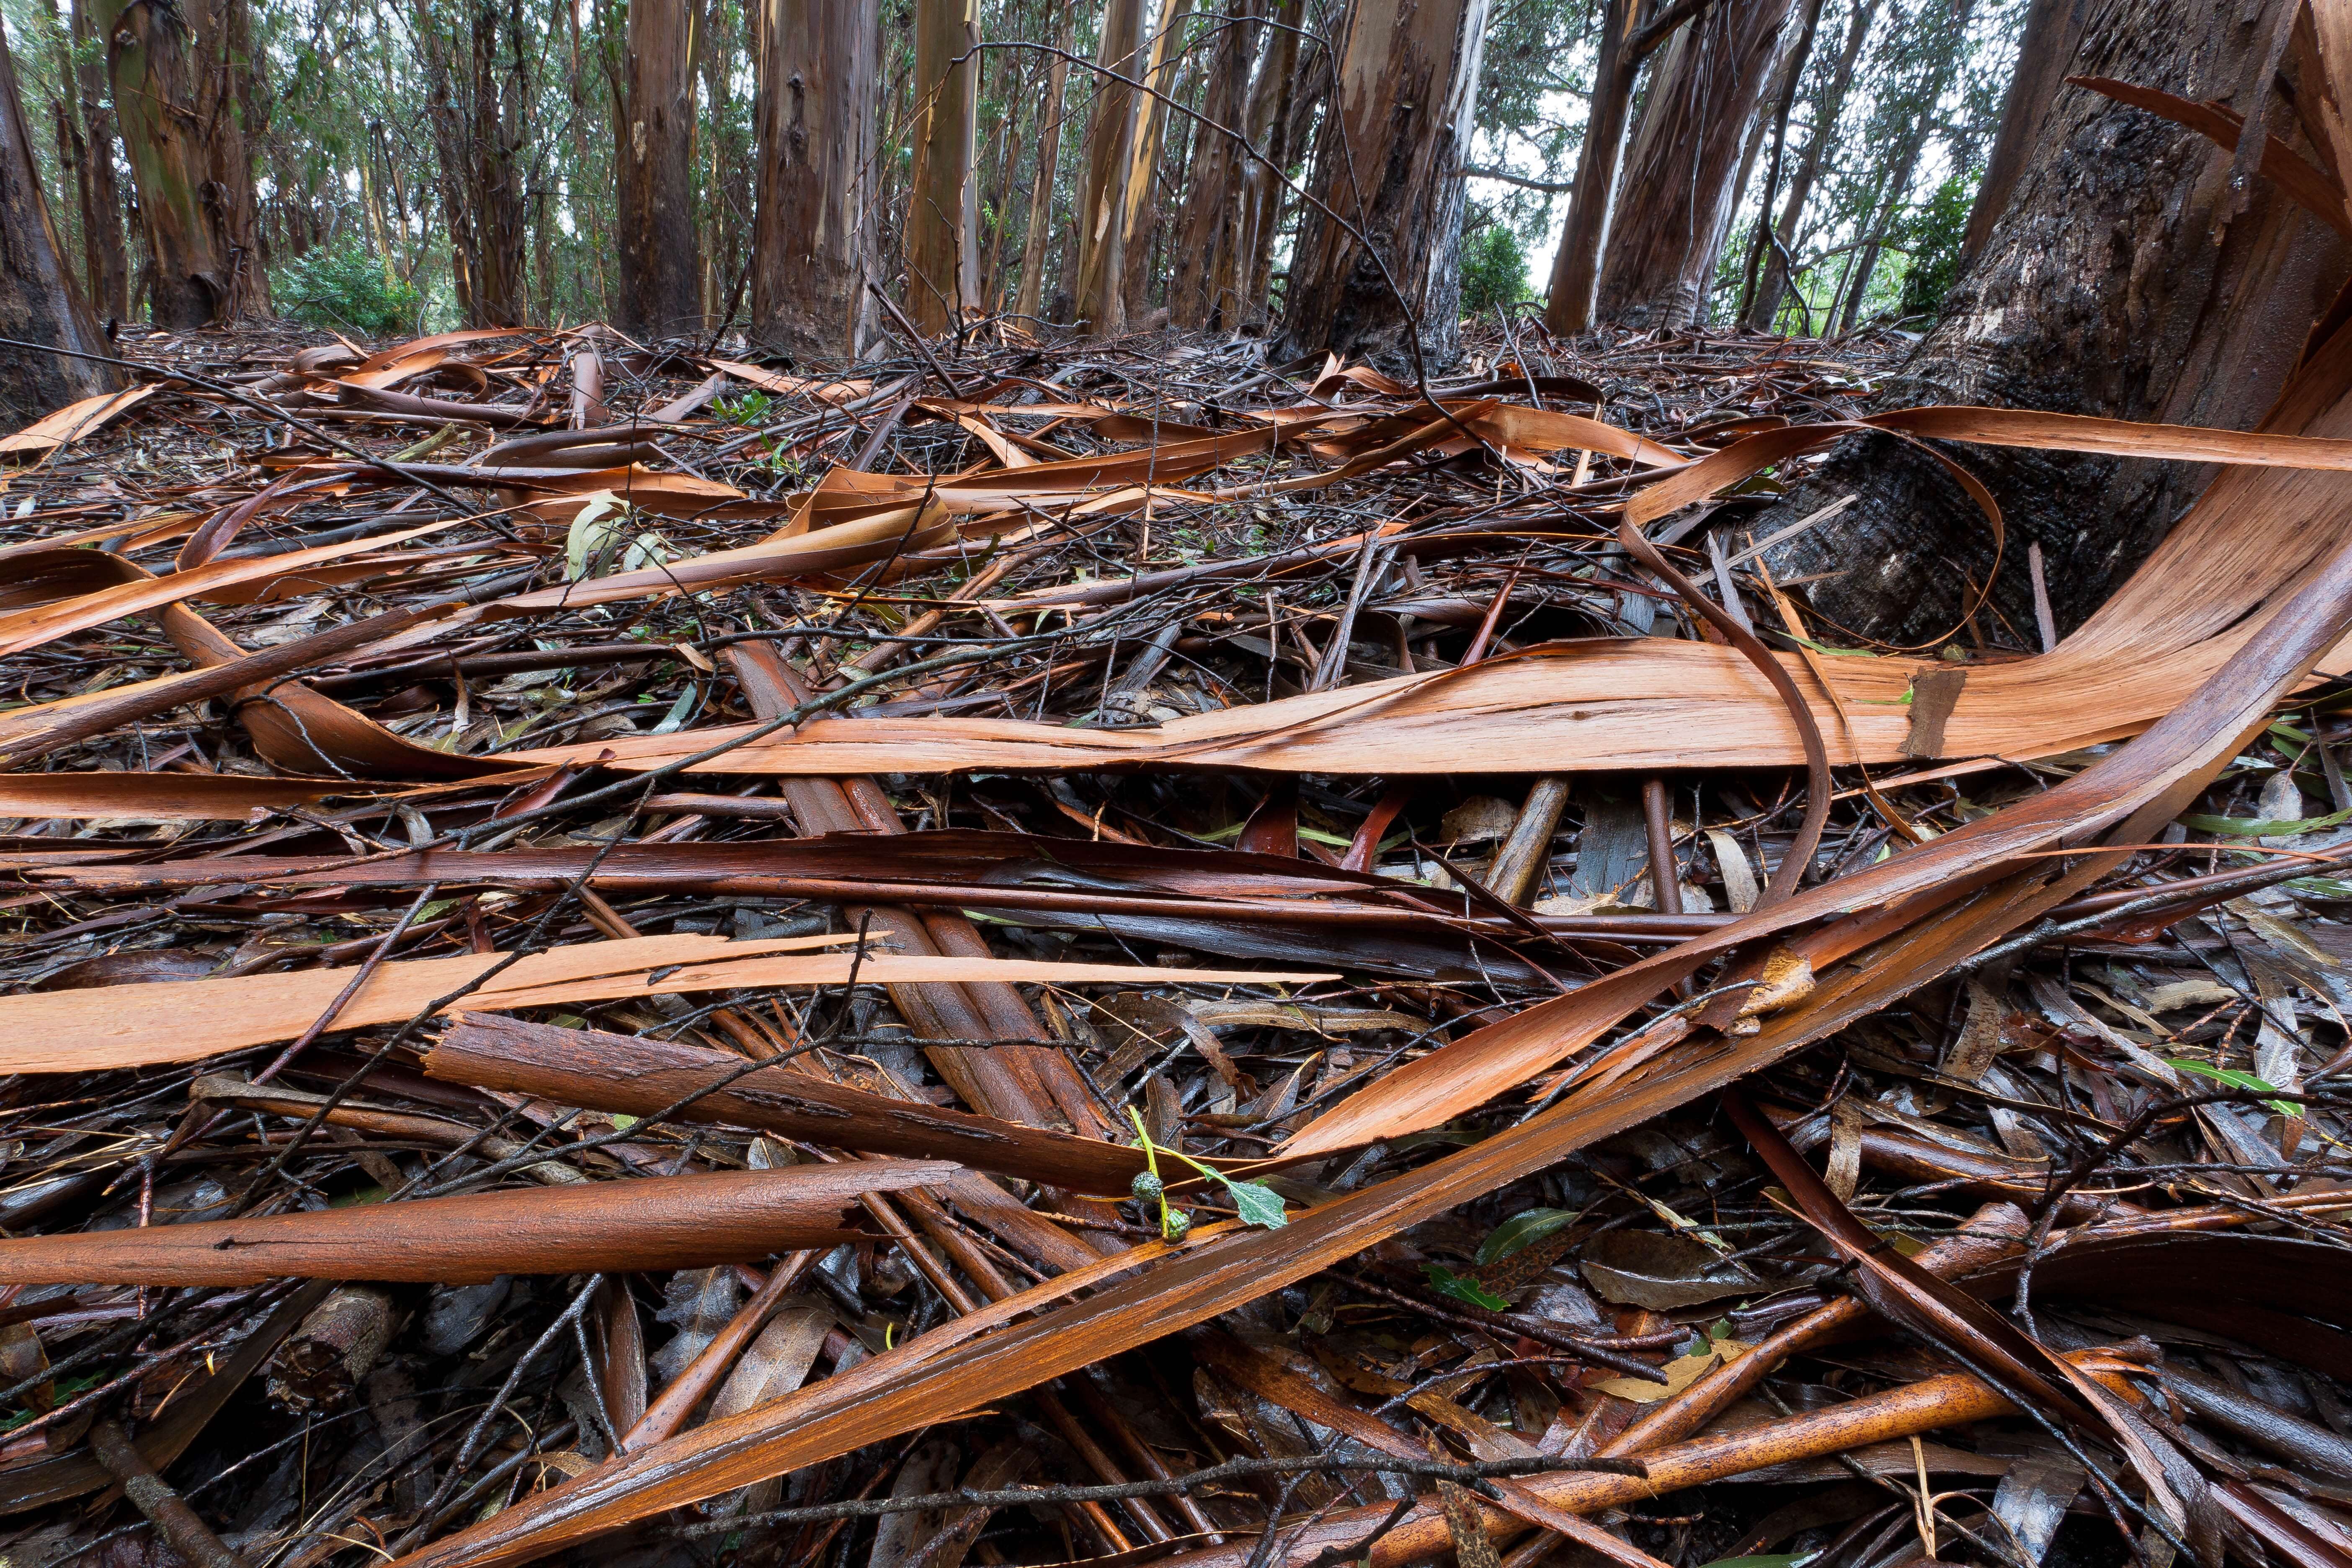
{"x": 1445, "y": 1283}
{"x": 1522, "y": 1231}
{"x": 1259, "y": 1203}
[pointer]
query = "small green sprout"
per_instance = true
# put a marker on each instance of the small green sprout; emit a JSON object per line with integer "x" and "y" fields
{"x": 1255, "y": 1202}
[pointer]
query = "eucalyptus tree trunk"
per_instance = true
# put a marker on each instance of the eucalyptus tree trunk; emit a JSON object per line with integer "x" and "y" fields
{"x": 1243, "y": 290}
{"x": 1101, "y": 289}
{"x": 1905, "y": 164}
{"x": 1207, "y": 227}
{"x": 1679, "y": 174}
{"x": 654, "y": 152}
{"x": 1779, "y": 103}
{"x": 1576, "y": 266}
{"x": 812, "y": 237}
{"x": 106, "y": 269}
{"x": 943, "y": 206}
{"x": 181, "y": 79}
{"x": 1151, "y": 118}
{"x": 38, "y": 303}
{"x": 1772, "y": 286}
{"x": 1049, "y": 156}
{"x": 1383, "y": 282}
{"x": 2122, "y": 278}
{"x": 476, "y": 104}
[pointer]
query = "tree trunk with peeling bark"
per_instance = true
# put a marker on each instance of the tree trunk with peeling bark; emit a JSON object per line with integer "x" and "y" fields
{"x": 477, "y": 88}
{"x": 1677, "y": 186}
{"x": 943, "y": 205}
{"x": 1206, "y": 229}
{"x": 814, "y": 229}
{"x": 181, "y": 86}
{"x": 1049, "y": 156}
{"x": 1102, "y": 291}
{"x": 2120, "y": 278}
{"x": 38, "y": 302}
{"x": 1389, "y": 167}
{"x": 654, "y": 152}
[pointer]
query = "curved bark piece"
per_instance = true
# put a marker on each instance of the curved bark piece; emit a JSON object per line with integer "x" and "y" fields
{"x": 655, "y": 1221}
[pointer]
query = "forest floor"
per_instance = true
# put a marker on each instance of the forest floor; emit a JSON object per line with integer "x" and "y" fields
{"x": 517, "y": 892}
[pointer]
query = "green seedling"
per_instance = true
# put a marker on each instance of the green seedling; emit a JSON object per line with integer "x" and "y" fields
{"x": 1255, "y": 1202}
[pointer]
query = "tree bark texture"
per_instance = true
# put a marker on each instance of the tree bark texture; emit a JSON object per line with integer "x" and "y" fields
{"x": 1576, "y": 266}
{"x": 1389, "y": 164}
{"x": 942, "y": 219}
{"x": 1787, "y": 77}
{"x": 476, "y": 104}
{"x": 654, "y": 149}
{"x": 106, "y": 276}
{"x": 1102, "y": 291}
{"x": 38, "y": 302}
{"x": 1274, "y": 97}
{"x": 1207, "y": 227}
{"x": 1049, "y": 157}
{"x": 1151, "y": 117}
{"x": 182, "y": 95}
{"x": 1677, "y": 186}
{"x": 2122, "y": 281}
{"x": 818, "y": 79}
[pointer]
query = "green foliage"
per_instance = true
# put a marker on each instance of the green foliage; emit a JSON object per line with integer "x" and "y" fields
{"x": 1493, "y": 270}
{"x": 1522, "y": 1231}
{"x": 1445, "y": 1283}
{"x": 344, "y": 287}
{"x": 1932, "y": 235}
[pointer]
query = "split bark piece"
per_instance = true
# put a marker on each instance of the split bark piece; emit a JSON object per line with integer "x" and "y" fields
{"x": 652, "y": 1223}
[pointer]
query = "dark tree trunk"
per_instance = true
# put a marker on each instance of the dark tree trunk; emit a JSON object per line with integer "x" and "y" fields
{"x": 1206, "y": 231}
{"x": 38, "y": 303}
{"x": 1677, "y": 183}
{"x": 2120, "y": 280}
{"x": 183, "y": 90}
{"x": 1774, "y": 285}
{"x": 653, "y": 149}
{"x": 1243, "y": 290}
{"x": 1389, "y": 164}
{"x": 1783, "y": 100}
{"x": 1049, "y": 155}
{"x": 476, "y": 106}
{"x": 818, "y": 79}
{"x": 943, "y": 203}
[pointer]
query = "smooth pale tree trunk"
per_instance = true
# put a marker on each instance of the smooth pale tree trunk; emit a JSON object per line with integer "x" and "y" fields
{"x": 943, "y": 203}
{"x": 1678, "y": 179}
{"x": 1389, "y": 164}
{"x": 2122, "y": 280}
{"x": 176, "y": 76}
{"x": 659, "y": 258}
{"x": 1101, "y": 288}
{"x": 1049, "y": 156}
{"x": 38, "y": 302}
{"x": 1773, "y": 285}
{"x": 1207, "y": 229}
{"x": 1151, "y": 118}
{"x": 812, "y": 232}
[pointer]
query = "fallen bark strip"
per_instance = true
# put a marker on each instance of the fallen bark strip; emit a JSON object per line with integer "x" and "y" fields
{"x": 650, "y": 1223}
{"x": 640, "y": 1077}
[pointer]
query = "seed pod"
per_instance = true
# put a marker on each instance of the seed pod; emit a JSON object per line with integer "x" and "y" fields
{"x": 1146, "y": 1187}
{"x": 1175, "y": 1226}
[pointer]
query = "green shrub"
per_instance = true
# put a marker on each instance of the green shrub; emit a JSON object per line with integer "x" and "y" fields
{"x": 1932, "y": 235}
{"x": 345, "y": 287}
{"x": 1494, "y": 268}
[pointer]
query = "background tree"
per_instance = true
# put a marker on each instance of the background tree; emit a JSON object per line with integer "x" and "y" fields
{"x": 38, "y": 302}
{"x": 1101, "y": 300}
{"x": 942, "y": 211}
{"x": 818, "y": 70}
{"x": 653, "y": 117}
{"x": 1389, "y": 166}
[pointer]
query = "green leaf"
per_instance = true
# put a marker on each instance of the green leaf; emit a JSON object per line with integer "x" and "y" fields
{"x": 1259, "y": 1203}
{"x": 2236, "y": 1080}
{"x": 1445, "y": 1283}
{"x": 1522, "y": 1231}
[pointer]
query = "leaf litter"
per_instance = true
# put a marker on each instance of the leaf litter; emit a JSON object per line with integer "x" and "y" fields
{"x": 1147, "y": 956}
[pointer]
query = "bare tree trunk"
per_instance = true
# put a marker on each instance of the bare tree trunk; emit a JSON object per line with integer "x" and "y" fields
{"x": 1576, "y": 268}
{"x": 107, "y": 263}
{"x": 653, "y": 126}
{"x": 476, "y": 107}
{"x": 942, "y": 218}
{"x": 1774, "y": 284}
{"x": 1102, "y": 291}
{"x": 1782, "y": 100}
{"x": 1389, "y": 164}
{"x": 176, "y": 75}
{"x": 1678, "y": 175}
{"x": 2121, "y": 280}
{"x": 1242, "y": 293}
{"x": 38, "y": 303}
{"x": 1207, "y": 230}
{"x": 818, "y": 80}
{"x": 1049, "y": 155}
{"x": 1151, "y": 117}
